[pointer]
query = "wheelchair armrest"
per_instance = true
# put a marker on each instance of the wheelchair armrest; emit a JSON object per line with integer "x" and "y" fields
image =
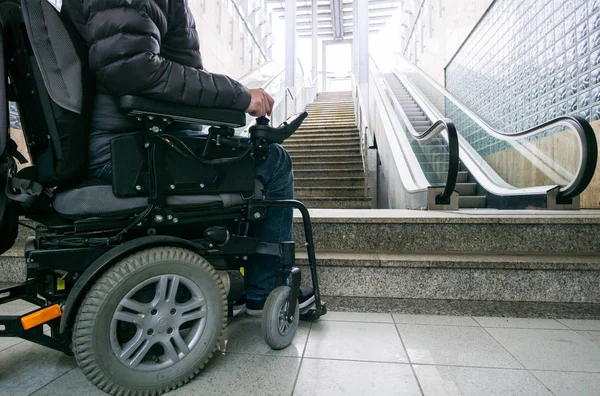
{"x": 136, "y": 105}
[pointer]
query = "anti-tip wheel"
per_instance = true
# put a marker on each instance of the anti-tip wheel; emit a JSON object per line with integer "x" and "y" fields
{"x": 277, "y": 330}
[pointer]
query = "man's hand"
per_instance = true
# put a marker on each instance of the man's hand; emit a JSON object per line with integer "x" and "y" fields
{"x": 261, "y": 103}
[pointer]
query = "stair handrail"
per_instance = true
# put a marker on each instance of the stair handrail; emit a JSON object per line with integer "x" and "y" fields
{"x": 308, "y": 84}
{"x": 587, "y": 139}
{"x": 270, "y": 63}
{"x": 438, "y": 127}
{"x": 362, "y": 122}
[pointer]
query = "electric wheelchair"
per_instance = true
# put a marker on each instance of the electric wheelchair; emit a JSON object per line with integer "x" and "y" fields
{"x": 136, "y": 277}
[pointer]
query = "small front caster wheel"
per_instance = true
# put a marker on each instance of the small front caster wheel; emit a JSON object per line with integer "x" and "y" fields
{"x": 277, "y": 330}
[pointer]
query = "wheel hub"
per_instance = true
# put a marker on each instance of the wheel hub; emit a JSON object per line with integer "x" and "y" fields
{"x": 162, "y": 325}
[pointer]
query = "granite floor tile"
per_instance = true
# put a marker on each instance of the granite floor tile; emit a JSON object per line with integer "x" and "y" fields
{"x": 350, "y": 378}
{"x": 27, "y": 367}
{"x": 72, "y": 383}
{"x": 591, "y": 335}
{"x": 358, "y": 317}
{"x": 570, "y": 384}
{"x": 7, "y": 342}
{"x": 377, "y": 342}
{"x": 445, "y": 320}
{"x": 228, "y": 374}
{"x": 244, "y": 335}
{"x": 471, "y": 381}
{"x": 18, "y": 307}
{"x": 454, "y": 345}
{"x": 244, "y": 375}
{"x": 578, "y": 324}
{"x": 522, "y": 323}
{"x": 561, "y": 350}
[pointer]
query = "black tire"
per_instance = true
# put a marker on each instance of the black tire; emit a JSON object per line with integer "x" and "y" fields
{"x": 92, "y": 342}
{"x": 273, "y": 321}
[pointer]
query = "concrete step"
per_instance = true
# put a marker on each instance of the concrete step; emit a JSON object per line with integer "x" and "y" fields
{"x": 13, "y": 268}
{"x": 454, "y": 276}
{"x": 347, "y": 118}
{"x": 462, "y": 177}
{"x": 475, "y": 202}
{"x": 347, "y": 139}
{"x": 474, "y": 231}
{"x": 300, "y": 182}
{"x": 466, "y": 189}
{"x": 321, "y": 104}
{"x": 351, "y": 150}
{"x": 325, "y": 129}
{"x": 330, "y": 114}
{"x": 329, "y": 192}
{"x": 355, "y": 158}
{"x": 321, "y": 124}
{"x": 329, "y": 143}
{"x": 345, "y": 203}
{"x": 350, "y": 172}
{"x": 330, "y": 110}
{"x": 324, "y": 134}
{"x": 326, "y": 164}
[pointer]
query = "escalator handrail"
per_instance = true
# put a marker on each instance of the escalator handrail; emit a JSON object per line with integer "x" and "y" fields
{"x": 441, "y": 125}
{"x": 587, "y": 139}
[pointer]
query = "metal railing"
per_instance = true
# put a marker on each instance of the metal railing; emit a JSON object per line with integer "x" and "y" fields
{"x": 492, "y": 182}
{"x": 289, "y": 103}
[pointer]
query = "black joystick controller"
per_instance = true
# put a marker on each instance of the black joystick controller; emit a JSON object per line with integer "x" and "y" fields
{"x": 262, "y": 129}
{"x": 263, "y": 121}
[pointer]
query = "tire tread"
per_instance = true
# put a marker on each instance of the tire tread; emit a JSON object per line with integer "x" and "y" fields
{"x": 82, "y": 330}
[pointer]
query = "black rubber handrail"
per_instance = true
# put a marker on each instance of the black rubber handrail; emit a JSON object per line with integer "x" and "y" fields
{"x": 445, "y": 124}
{"x": 589, "y": 151}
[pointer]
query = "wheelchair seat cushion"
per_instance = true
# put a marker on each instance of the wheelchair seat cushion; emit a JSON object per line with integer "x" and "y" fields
{"x": 95, "y": 198}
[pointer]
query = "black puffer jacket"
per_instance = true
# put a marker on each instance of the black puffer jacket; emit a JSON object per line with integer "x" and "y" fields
{"x": 147, "y": 48}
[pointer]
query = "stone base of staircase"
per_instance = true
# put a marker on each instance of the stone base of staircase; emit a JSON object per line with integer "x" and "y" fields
{"x": 464, "y": 307}
{"x": 501, "y": 277}
{"x": 13, "y": 268}
{"x": 534, "y": 264}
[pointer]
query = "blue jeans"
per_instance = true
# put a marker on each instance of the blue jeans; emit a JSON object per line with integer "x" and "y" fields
{"x": 277, "y": 176}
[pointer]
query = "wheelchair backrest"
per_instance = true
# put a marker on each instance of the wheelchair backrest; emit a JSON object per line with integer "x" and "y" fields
{"x": 49, "y": 79}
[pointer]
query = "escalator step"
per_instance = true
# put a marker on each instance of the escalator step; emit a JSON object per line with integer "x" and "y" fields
{"x": 476, "y": 202}
{"x": 466, "y": 189}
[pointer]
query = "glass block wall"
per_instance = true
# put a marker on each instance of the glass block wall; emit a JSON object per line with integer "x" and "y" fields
{"x": 527, "y": 62}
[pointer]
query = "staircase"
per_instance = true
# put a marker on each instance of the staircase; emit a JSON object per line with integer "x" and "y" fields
{"x": 326, "y": 152}
{"x": 433, "y": 155}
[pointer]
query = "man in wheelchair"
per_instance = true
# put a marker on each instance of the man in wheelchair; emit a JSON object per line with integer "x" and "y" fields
{"x": 141, "y": 236}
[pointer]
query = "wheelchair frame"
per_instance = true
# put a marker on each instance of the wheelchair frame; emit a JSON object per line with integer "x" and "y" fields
{"x": 61, "y": 276}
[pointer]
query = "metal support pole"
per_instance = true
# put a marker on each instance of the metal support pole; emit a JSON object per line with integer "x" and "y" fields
{"x": 363, "y": 51}
{"x": 355, "y": 39}
{"x": 290, "y": 45}
{"x": 324, "y": 68}
{"x": 314, "y": 39}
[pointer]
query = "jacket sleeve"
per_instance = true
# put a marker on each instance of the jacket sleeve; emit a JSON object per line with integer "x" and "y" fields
{"x": 125, "y": 39}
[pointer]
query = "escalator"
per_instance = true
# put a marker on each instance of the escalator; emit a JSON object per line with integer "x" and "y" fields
{"x": 415, "y": 121}
{"x": 433, "y": 157}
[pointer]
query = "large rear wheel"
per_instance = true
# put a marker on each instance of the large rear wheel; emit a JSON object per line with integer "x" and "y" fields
{"x": 151, "y": 322}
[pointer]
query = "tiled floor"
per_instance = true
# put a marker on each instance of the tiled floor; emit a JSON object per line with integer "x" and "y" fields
{"x": 363, "y": 354}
